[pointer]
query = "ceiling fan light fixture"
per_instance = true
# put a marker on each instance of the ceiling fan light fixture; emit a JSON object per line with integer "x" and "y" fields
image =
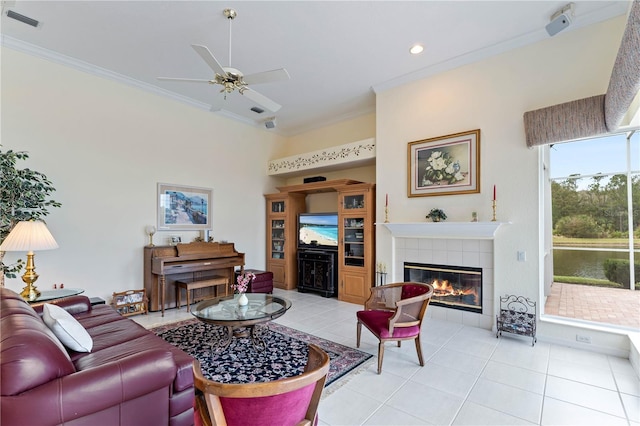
{"x": 416, "y": 49}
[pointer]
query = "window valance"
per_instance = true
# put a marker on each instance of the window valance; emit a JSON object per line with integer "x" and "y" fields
{"x": 596, "y": 115}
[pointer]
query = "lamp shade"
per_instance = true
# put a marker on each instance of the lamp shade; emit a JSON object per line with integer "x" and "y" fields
{"x": 29, "y": 236}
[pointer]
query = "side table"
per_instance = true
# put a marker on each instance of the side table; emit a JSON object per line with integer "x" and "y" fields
{"x": 49, "y": 295}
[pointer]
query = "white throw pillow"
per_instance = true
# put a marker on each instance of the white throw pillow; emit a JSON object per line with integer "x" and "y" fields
{"x": 66, "y": 328}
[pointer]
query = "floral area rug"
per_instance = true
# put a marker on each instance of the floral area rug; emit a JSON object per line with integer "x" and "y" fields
{"x": 285, "y": 354}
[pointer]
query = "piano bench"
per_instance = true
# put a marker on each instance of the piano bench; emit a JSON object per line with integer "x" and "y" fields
{"x": 190, "y": 284}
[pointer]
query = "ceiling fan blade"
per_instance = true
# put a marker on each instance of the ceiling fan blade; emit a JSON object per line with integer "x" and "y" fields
{"x": 267, "y": 76}
{"x": 189, "y": 80}
{"x": 261, "y": 100}
{"x": 208, "y": 57}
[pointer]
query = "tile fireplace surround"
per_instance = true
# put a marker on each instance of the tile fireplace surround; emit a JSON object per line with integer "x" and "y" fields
{"x": 450, "y": 243}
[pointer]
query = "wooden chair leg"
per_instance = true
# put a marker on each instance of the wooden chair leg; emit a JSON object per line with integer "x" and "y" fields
{"x": 188, "y": 301}
{"x": 359, "y": 330}
{"x": 419, "y": 350}
{"x": 380, "y": 355}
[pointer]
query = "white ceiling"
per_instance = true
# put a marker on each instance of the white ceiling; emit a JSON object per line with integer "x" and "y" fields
{"x": 339, "y": 54}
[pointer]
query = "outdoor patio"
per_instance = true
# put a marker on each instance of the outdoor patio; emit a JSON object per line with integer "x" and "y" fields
{"x": 600, "y": 304}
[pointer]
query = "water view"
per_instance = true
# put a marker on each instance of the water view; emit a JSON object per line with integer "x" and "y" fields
{"x": 584, "y": 263}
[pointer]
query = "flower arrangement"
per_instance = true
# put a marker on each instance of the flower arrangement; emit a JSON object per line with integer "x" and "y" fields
{"x": 441, "y": 167}
{"x": 242, "y": 282}
{"x": 436, "y": 215}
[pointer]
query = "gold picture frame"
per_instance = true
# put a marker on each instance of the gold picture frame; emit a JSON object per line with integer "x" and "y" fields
{"x": 445, "y": 165}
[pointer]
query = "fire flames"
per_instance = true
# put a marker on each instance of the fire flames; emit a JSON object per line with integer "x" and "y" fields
{"x": 442, "y": 288}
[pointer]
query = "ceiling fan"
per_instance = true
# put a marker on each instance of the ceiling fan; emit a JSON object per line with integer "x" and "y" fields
{"x": 232, "y": 79}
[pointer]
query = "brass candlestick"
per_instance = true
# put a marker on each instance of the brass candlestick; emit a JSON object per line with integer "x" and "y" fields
{"x": 150, "y": 231}
{"x": 493, "y": 204}
{"x": 386, "y": 214}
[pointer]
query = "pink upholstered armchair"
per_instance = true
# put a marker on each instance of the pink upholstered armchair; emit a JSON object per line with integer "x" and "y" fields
{"x": 291, "y": 401}
{"x": 394, "y": 312}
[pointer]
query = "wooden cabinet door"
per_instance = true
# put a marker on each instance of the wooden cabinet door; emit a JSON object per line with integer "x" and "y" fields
{"x": 279, "y": 276}
{"x": 354, "y": 288}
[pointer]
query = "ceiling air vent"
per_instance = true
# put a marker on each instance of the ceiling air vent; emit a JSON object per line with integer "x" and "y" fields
{"x": 257, "y": 110}
{"x": 22, "y": 18}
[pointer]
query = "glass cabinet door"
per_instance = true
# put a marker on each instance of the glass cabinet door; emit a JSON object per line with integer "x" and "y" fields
{"x": 354, "y": 241}
{"x": 277, "y": 206}
{"x": 277, "y": 238}
{"x": 352, "y": 202}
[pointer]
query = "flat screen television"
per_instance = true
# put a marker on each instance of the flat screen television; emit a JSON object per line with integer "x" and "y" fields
{"x": 318, "y": 230}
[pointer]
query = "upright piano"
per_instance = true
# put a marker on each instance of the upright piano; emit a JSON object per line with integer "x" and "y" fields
{"x": 163, "y": 265}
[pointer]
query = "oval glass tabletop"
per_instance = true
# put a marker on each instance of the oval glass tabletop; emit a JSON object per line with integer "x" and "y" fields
{"x": 261, "y": 306}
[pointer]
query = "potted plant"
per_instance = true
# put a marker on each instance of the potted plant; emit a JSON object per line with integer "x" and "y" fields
{"x": 437, "y": 215}
{"x": 24, "y": 195}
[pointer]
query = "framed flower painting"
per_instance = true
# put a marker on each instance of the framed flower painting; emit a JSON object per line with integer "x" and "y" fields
{"x": 446, "y": 165}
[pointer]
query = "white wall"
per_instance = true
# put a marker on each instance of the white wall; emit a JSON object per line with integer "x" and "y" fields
{"x": 105, "y": 146}
{"x": 493, "y": 95}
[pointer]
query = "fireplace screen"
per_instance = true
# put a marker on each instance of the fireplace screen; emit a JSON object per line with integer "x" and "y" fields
{"x": 457, "y": 287}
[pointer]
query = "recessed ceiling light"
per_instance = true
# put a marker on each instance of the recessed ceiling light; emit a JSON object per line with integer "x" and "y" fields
{"x": 416, "y": 49}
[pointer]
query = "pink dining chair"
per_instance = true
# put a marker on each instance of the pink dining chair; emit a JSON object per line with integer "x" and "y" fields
{"x": 394, "y": 312}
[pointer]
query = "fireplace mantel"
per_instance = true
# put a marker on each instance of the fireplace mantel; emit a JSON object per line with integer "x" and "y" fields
{"x": 457, "y": 230}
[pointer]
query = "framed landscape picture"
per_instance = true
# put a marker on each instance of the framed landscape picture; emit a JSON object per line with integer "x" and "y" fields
{"x": 185, "y": 208}
{"x": 446, "y": 165}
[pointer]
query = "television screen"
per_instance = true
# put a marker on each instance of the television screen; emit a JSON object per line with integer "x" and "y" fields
{"x": 318, "y": 230}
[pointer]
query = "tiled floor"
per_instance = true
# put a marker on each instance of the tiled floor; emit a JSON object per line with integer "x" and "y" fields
{"x": 470, "y": 377}
{"x": 600, "y": 304}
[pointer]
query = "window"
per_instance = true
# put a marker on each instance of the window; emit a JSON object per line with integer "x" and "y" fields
{"x": 595, "y": 230}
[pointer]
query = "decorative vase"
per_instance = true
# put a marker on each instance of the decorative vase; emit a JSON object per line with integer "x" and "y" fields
{"x": 243, "y": 300}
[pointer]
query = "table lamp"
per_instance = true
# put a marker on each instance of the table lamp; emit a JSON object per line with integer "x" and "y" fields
{"x": 29, "y": 236}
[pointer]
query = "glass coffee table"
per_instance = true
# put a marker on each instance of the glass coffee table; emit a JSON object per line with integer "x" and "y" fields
{"x": 241, "y": 321}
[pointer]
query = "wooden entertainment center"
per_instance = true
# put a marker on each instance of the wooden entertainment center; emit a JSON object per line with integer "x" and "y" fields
{"x": 355, "y": 257}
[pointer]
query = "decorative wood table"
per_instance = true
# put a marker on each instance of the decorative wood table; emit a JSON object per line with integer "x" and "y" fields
{"x": 241, "y": 321}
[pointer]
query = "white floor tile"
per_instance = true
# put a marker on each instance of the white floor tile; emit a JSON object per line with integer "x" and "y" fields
{"x": 632, "y": 407}
{"x": 445, "y": 379}
{"x": 520, "y": 354}
{"x": 627, "y": 382}
{"x": 507, "y": 399}
{"x": 581, "y": 373}
{"x": 426, "y": 403}
{"x": 577, "y": 356}
{"x": 375, "y": 386}
{"x": 557, "y": 412}
{"x": 346, "y": 407}
{"x": 390, "y": 416}
{"x": 518, "y": 377}
{"x": 460, "y": 361}
{"x": 584, "y": 395}
{"x": 473, "y": 414}
{"x": 469, "y": 378}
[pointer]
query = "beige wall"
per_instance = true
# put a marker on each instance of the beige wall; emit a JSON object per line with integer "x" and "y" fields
{"x": 105, "y": 146}
{"x": 343, "y": 132}
{"x": 493, "y": 95}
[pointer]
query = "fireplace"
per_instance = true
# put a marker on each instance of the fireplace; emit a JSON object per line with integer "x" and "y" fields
{"x": 456, "y": 287}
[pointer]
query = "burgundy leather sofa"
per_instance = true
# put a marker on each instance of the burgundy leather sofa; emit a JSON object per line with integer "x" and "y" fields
{"x": 131, "y": 376}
